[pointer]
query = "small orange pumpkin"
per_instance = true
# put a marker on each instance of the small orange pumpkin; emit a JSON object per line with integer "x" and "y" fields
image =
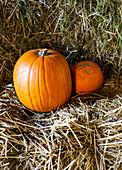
{"x": 87, "y": 77}
{"x": 42, "y": 80}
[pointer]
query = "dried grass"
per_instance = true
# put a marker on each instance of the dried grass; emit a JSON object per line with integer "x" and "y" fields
{"x": 80, "y": 30}
{"x": 79, "y": 135}
{"x": 85, "y": 133}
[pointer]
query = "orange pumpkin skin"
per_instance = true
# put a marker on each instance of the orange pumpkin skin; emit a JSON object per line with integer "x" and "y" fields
{"x": 42, "y": 83}
{"x": 87, "y": 77}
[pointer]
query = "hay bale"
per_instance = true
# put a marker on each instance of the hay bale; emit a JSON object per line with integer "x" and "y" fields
{"x": 80, "y": 134}
{"x": 85, "y": 133}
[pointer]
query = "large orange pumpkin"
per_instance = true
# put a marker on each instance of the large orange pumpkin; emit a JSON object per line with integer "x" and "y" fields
{"x": 42, "y": 80}
{"x": 87, "y": 77}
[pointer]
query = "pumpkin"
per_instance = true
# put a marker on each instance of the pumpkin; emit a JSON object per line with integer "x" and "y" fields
{"x": 42, "y": 80}
{"x": 87, "y": 77}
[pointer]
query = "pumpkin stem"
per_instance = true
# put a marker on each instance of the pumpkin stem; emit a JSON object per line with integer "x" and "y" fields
{"x": 43, "y": 52}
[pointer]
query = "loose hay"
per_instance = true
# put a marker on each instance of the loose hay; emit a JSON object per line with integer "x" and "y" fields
{"x": 77, "y": 136}
{"x": 86, "y": 132}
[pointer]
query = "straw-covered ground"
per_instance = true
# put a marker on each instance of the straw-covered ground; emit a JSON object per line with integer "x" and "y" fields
{"x": 86, "y": 132}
